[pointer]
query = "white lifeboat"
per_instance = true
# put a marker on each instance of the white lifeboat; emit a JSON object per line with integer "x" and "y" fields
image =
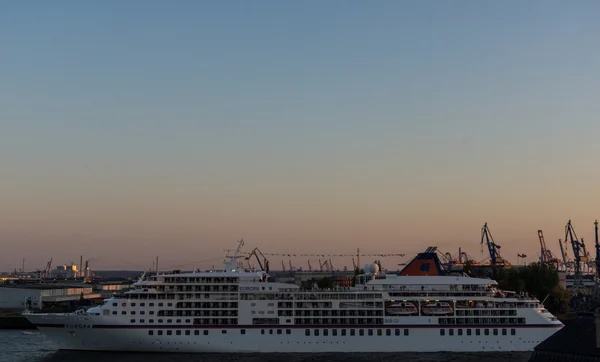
{"x": 401, "y": 308}
{"x": 436, "y": 308}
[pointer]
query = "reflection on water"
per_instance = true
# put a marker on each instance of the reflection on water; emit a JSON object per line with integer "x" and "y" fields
{"x": 28, "y": 346}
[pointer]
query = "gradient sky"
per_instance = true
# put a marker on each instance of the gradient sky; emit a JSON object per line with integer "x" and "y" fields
{"x": 131, "y": 129}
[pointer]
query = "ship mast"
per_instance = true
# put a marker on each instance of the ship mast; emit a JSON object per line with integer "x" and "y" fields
{"x": 231, "y": 264}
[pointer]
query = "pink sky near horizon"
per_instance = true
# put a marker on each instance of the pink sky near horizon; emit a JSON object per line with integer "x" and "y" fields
{"x": 131, "y": 132}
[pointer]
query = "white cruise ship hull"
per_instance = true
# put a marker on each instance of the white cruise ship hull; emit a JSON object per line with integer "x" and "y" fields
{"x": 77, "y": 332}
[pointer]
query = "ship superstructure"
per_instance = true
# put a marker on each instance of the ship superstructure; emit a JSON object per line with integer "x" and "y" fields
{"x": 235, "y": 310}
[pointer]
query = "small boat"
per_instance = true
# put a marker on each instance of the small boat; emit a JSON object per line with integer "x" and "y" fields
{"x": 401, "y": 308}
{"x": 437, "y": 308}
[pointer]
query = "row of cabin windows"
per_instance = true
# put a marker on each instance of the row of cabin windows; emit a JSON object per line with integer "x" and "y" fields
{"x": 141, "y": 304}
{"x": 160, "y": 321}
{"x": 307, "y": 332}
{"x": 486, "y": 332}
{"x": 482, "y": 321}
{"x": 361, "y": 332}
{"x": 142, "y": 312}
{"x": 229, "y": 280}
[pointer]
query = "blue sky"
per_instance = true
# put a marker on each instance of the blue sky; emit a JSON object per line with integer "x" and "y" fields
{"x": 297, "y": 124}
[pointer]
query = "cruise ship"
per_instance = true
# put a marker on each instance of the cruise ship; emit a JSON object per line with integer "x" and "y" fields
{"x": 418, "y": 309}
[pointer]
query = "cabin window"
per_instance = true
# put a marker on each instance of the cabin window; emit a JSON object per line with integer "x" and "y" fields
{"x": 361, "y": 332}
{"x": 160, "y": 333}
{"x": 151, "y": 312}
{"x": 442, "y": 332}
{"x": 334, "y": 332}
{"x": 406, "y": 332}
{"x": 270, "y": 331}
{"x": 370, "y": 332}
{"x": 513, "y": 331}
{"x": 262, "y": 331}
{"x": 152, "y": 304}
{"x": 343, "y": 332}
{"x": 196, "y": 332}
{"x": 478, "y": 332}
{"x": 451, "y": 331}
{"x": 114, "y": 312}
{"x": 316, "y": 332}
{"x": 114, "y": 304}
{"x": 388, "y": 332}
{"x": 142, "y": 321}
{"x": 132, "y": 321}
{"x": 460, "y": 332}
{"x": 307, "y": 332}
{"x": 142, "y": 312}
{"x": 224, "y": 331}
{"x": 123, "y": 312}
{"x": 187, "y": 332}
{"x": 178, "y": 332}
{"x": 132, "y": 312}
{"x": 486, "y": 332}
{"x": 133, "y": 304}
{"x": 495, "y": 332}
{"x": 288, "y": 331}
{"x": 169, "y": 332}
{"x": 206, "y": 333}
{"x": 397, "y": 332}
{"x": 325, "y": 332}
{"x": 169, "y": 304}
{"x": 243, "y": 331}
{"x": 142, "y": 304}
{"x": 279, "y": 331}
{"x": 468, "y": 332}
{"x": 352, "y": 332}
{"x": 504, "y": 331}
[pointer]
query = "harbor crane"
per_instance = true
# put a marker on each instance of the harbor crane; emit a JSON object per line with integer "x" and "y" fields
{"x": 597, "y": 249}
{"x": 48, "y": 267}
{"x": 486, "y": 236}
{"x": 546, "y": 256}
{"x": 579, "y": 253}
{"x": 264, "y": 265}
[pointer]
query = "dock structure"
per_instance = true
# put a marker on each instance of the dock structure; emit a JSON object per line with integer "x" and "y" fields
{"x": 578, "y": 341}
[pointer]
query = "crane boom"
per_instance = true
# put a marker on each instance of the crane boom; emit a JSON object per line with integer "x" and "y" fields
{"x": 597, "y": 248}
{"x": 486, "y": 236}
{"x": 579, "y": 252}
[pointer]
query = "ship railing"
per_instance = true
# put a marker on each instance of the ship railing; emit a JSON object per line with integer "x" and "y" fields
{"x": 439, "y": 294}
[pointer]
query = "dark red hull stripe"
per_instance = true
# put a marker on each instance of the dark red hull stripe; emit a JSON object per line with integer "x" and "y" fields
{"x": 279, "y": 326}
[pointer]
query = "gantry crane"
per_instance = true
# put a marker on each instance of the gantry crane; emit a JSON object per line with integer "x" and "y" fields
{"x": 579, "y": 254}
{"x": 495, "y": 258}
{"x": 597, "y": 249}
{"x": 546, "y": 256}
{"x": 264, "y": 265}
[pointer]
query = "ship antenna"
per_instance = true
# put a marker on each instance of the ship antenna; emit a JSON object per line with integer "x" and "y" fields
{"x": 231, "y": 264}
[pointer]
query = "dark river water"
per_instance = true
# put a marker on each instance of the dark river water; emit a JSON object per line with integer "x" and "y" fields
{"x": 32, "y": 346}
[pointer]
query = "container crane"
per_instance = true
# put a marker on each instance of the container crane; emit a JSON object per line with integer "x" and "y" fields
{"x": 486, "y": 236}
{"x": 579, "y": 253}
{"x": 264, "y": 265}
{"x": 597, "y": 249}
{"x": 546, "y": 256}
{"x": 48, "y": 267}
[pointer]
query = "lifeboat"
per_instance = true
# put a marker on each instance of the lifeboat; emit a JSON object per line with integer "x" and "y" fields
{"x": 401, "y": 308}
{"x": 437, "y": 308}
